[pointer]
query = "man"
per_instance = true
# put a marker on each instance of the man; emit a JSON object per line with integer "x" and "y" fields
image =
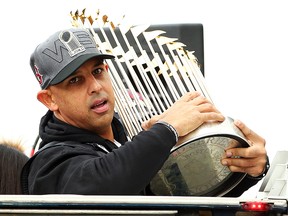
{"x": 84, "y": 149}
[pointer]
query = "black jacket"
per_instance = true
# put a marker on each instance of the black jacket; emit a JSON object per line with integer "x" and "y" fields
{"x": 71, "y": 160}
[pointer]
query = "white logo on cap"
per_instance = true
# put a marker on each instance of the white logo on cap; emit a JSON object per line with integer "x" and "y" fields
{"x": 71, "y": 43}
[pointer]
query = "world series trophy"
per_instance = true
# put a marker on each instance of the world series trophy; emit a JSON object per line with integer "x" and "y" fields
{"x": 149, "y": 80}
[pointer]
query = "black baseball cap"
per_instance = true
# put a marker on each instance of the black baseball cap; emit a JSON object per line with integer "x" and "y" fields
{"x": 62, "y": 54}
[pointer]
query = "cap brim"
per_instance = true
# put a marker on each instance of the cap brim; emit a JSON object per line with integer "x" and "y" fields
{"x": 75, "y": 64}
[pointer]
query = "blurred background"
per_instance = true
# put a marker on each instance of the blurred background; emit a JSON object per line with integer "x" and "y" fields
{"x": 245, "y": 51}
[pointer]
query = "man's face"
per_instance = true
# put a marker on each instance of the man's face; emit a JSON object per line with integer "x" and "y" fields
{"x": 86, "y": 98}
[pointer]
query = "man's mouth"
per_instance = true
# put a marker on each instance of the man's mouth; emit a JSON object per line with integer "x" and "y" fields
{"x": 100, "y": 106}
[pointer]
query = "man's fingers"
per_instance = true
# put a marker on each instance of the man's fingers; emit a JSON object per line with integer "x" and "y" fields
{"x": 249, "y": 160}
{"x": 248, "y": 133}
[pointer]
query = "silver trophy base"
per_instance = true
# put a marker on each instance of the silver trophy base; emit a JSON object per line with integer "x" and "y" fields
{"x": 194, "y": 166}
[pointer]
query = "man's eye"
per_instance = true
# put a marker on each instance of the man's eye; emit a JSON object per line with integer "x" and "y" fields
{"x": 98, "y": 71}
{"x": 74, "y": 80}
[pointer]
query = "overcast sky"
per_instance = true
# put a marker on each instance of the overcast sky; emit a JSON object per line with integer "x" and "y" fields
{"x": 245, "y": 47}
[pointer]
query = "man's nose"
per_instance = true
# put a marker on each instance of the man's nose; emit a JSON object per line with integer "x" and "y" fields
{"x": 94, "y": 85}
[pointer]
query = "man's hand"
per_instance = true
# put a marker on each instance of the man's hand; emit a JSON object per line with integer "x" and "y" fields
{"x": 251, "y": 160}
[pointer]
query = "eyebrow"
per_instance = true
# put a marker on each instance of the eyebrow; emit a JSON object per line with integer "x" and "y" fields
{"x": 95, "y": 65}
{"x": 98, "y": 63}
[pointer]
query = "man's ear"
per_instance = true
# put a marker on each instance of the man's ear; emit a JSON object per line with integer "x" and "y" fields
{"x": 44, "y": 96}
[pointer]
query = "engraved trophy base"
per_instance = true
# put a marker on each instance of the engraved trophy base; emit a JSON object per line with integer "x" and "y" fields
{"x": 194, "y": 166}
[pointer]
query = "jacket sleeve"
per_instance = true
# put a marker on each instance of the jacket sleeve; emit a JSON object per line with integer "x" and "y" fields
{"x": 124, "y": 171}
